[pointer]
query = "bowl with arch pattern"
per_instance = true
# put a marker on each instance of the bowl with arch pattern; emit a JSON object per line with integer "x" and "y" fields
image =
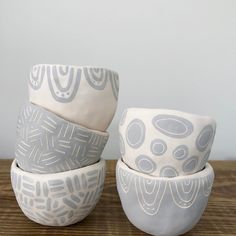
{"x": 160, "y": 205}
{"x": 84, "y": 95}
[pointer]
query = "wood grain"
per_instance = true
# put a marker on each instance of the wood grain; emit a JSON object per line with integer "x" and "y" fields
{"x": 108, "y": 217}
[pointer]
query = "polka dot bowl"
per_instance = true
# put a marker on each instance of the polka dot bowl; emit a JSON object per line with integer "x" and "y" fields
{"x": 58, "y": 199}
{"x": 163, "y": 206}
{"x": 165, "y": 143}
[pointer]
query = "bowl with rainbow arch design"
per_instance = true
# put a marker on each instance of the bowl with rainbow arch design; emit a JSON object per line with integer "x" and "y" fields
{"x": 58, "y": 199}
{"x": 84, "y": 95}
{"x": 160, "y": 205}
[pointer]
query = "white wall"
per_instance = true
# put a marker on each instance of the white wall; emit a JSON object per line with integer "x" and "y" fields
{"x": 169, "y": 54}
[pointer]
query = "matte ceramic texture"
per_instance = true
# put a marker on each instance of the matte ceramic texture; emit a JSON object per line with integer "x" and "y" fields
{"x": 83, "y": 95}
{"x": 165, "y": 143}
{"x": 46, "y": 143}
{"x": 163, "y": 206}
{"x": 58, "y": 199}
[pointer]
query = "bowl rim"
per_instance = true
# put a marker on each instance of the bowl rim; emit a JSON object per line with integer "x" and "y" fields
{"x": 101, "y": 133}
{"x": 208, "y": 170}
{"x": 99, "y": 165}
{"x": 151, "y": 111}
{"x": 77, "y": 67}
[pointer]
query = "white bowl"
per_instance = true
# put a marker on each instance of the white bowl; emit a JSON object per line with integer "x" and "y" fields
{"x": 84, "y": 95}
{"x": 165, "y": 143}
{"x": 58, "y": 199}
{"x": 163, "y": 206}
{"x": 46, "y": 143}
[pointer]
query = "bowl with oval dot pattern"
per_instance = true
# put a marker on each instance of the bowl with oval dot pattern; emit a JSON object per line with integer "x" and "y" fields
{"x": 84, "y": 95}
{"x": 160, "y": 205}
{"x": 164, "y": 142}
{"x": 58, "y": 199}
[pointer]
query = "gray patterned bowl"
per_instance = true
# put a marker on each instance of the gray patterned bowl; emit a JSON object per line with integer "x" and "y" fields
{"x": 165, "y": 143}
{"x": 163, "y": 206}
{"x": 83, "y": 95}
{"x": 46, "y": 143}
{"x": 58, "y": 199}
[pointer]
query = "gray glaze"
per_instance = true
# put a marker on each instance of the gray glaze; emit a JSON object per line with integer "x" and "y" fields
{"x": 63, "y": 94}
{"x": 163, "y": 206}
{"x": 135, "y": 134}
{"x": 204, "y": 138}
{"x": 58, "y": 199}
{"x": 173, "y": 144}
{"x": 96, "y": 77}
{"x": 173, "y": 126}
{"x": 47, "y": 143}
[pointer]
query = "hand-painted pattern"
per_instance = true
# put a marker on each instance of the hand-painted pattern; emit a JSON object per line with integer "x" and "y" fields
{"x": 173, "y": 145}
{"x": 96, "y": 77}
{"x": 64, "y": 81}
{"x": 135, "y": 133}
{"x": 180, "y": 152}
{"x": 145, "y": 164}
{"x": 168, "y": 171}
{"x": 151, "y": 192}
{"x": 36, "y": 76}
{"x": 58, "y": 202}
{"x": 48, "y": 144}
{"x": 204, "y": 138}
{"x": 69, "y": 76}
{"x": 115, "y": 85}
{"x": 173, "y": 126}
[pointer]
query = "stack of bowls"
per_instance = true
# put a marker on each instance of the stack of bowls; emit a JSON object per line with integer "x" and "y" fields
{"x": 163, "y": 178}
{"x": 58, "y": 174}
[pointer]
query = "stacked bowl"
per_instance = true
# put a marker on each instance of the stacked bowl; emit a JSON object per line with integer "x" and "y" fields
{"x": 163, "y": 177}
{"x": 58, "y": 174}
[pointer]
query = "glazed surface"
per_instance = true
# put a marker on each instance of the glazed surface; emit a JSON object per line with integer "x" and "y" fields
{"x": 47, "y": 143}
{"x": 58, "y": 199}
{"x": 164, "y": 142}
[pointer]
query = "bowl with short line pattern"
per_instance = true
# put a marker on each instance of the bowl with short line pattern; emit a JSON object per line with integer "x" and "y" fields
{"x": 167, "y": 143}
{"x": 46, "y": 143}
{"x": 58, "y": 199}
{"x": 84, "y": 95}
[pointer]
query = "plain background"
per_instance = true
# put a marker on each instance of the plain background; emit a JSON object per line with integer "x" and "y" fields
{"x": 169, "y": 54}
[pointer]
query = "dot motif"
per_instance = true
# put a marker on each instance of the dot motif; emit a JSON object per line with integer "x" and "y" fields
{"x": 173, "y": 126}
{"x": 145, "y": 164}
{"x": 135, "y": 133}
{"x": 158, "y": 147}
{"x": 190, "y": 164}
{"x": 204, "y": 138}
{"x": 180, "y": 152}
{"x": 168, "y": 171}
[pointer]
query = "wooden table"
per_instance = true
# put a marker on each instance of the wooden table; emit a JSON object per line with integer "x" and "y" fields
{"x": 109, "y": 219}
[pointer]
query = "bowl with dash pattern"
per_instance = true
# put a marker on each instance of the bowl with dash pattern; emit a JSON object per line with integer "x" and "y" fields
{"x": 84, "y": 95}
{"x": 58, "y": 199}
{"x": 46, "y": 143}
{"x": 160, "y": 205}
{"x": 164, "y": 142}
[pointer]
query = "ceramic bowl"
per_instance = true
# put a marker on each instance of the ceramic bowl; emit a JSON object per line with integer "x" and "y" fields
{"x": 165, "y": 143}
{"x": 163, "y": 206}
{"x": 83, "y": 95}
{"x": 58, "y": 199}
{"x": 46, "y": 143}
